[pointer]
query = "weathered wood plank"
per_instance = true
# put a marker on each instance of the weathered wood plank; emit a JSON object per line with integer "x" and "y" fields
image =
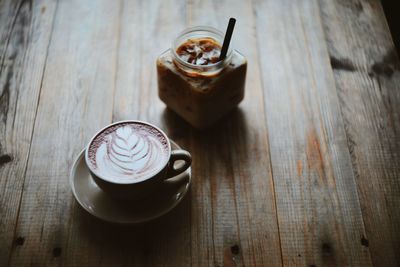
{"x": 74, "y": 102}
{"x": 233, "y": 158}
{"x": 25, "y": 30}
{"x": 214, "y": 219}
{"x": 143, "y": 38}
{"x": 145, "y": 28}
{"x": 366, "y": 70}
{"x": 325, "y": 140}
{"x": 319, "y": 213}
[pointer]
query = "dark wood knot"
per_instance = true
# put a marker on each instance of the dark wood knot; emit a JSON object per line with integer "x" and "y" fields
{"x": 5, "y": 159}
{"x": 386, "y": 66}
{"x": 381, "y": 68}
{"x": 342, "y": 64}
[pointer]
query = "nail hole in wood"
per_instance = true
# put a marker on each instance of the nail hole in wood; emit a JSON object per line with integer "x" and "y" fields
{"x": 57, "y": 252}
{"x": 235, "y": 249}
{"x": 364, "y": 242}
{"x": 326, "y": 249}
{"x": 19, "y": 241}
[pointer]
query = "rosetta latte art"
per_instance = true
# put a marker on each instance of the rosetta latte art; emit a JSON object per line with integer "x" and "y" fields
{"x": 129, "y": 153}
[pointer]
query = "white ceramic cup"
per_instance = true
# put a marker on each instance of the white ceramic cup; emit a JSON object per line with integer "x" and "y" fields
{"x": 145, "y": 186}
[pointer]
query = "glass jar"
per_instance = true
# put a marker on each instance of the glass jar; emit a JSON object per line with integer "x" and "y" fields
{"x": 201, "y": 94}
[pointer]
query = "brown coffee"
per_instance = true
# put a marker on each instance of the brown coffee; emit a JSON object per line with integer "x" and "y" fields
{"x": 200, "y": 51}
{"x": 194, "y": 83}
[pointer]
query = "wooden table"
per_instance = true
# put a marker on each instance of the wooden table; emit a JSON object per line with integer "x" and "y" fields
{"x": 306, "y": 172}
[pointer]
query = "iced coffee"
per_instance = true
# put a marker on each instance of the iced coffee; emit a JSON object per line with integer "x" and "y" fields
{"x": 194, "y": 83}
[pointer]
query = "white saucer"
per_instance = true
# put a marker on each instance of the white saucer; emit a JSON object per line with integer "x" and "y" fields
{"x": 102, "y": 206}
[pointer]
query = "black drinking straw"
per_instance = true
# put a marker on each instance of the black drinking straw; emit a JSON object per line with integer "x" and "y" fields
{"x": 227, "y": 39}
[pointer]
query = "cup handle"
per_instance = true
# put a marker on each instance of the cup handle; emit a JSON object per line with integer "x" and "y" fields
{"x": 178, "y": 154}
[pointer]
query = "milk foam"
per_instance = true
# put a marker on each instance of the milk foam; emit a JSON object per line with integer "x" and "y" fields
{"x": 128, "y": 151}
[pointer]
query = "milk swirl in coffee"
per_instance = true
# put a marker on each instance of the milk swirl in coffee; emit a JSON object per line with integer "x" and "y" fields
{"x": 128, "y": 151}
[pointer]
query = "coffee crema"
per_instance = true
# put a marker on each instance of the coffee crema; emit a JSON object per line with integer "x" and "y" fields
{"x": 128, "y": 151}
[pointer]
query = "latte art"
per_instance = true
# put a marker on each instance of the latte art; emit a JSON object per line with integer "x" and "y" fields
{"x": 128, "y": 152}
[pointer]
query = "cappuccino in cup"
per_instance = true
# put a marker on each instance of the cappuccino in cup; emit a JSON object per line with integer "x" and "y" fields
{"x": 129, "y": 159}
{"x": 128, "y": 152}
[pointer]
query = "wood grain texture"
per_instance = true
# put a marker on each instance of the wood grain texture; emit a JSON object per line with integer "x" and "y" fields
{"x": 242, "y": 190}
{"x": 319, "y": 213}
{"x": 74, "y": 103}
{"x": 25, "y": 30}
{"x": 304, "y": 173}
{"x": 214, "y": 223}
{"x": 369, "y": 95}
{"x": 142, "y": 32}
